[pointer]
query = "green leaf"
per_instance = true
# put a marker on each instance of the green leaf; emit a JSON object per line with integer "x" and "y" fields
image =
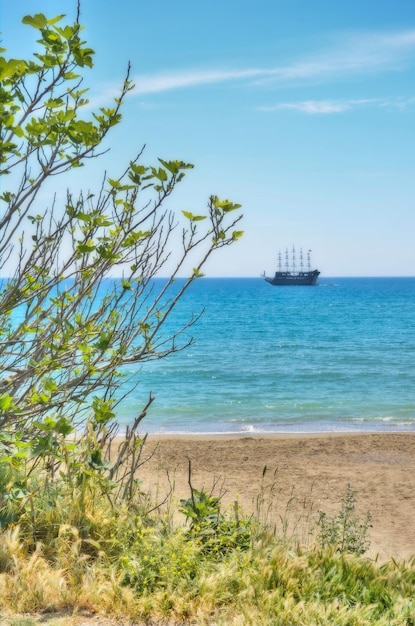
{"x": 85, "y": 247}
{"x": 46, "y": 426}
{"x": 105, "y": 252}
{"x": 10, "y": 67}
{"x": 18, "y": 131}
{"x": 56, "y": 19}
{"x": 6, "y": 402}
{"x": 50, "y": 384}
{"x": 197, "y": 273}
{"x": 193, "y": 218}
{"x": 175, "y": 166}
{"x": 63, "y": 426}
{"x": 70, "y": 76}
{"x": 237, "y": 234}
{"x": 97, "y": 462}
{"x": 138, "y": 169}
{"x": 104, "y": 341}
{"x": 225, "y": 205}
{"x": 37, "y": 21}
{"x": 133, "y": 238}
{"x": 159, "y": 173}
{"x": 84, "y": 217}
{"x": 102, "y": 410}
{"x": 54, "y": 103}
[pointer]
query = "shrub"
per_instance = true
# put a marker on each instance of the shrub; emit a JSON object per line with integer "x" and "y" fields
{"x": 346, "y": 531}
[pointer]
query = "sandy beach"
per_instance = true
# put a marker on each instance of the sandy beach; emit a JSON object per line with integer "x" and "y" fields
{"x": 304, "y": 473}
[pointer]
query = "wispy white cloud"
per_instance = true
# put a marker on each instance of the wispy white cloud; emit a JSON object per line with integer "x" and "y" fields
{"x": 327, "y": 107}
{"x": 148, "y": 84}
{"x": 352, "y": 55}
{"x": 400, "y": 103}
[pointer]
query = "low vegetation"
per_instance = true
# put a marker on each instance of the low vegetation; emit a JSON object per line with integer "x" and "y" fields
{"x": 78, "y": 545}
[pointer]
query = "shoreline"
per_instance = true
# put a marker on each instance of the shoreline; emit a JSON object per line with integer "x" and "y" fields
{"x": 274, "y": 435}
{"x": 292, "y": 476}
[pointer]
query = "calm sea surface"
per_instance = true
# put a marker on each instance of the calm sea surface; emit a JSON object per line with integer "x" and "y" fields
{"x": 332, "y": 358}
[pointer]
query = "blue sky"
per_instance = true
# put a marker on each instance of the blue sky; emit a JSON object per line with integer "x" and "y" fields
{"x": 303, "y": 111}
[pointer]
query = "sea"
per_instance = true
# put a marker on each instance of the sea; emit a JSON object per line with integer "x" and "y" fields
{"x": 332, "y": 358}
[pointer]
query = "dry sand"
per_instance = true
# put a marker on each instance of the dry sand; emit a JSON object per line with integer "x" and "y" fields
{"x": 304, "y": 473}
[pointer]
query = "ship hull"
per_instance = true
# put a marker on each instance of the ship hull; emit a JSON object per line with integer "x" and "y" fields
{"x": 288, "y": 278}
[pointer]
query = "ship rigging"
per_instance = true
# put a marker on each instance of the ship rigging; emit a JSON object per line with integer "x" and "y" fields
{"x": 287, "y": 272}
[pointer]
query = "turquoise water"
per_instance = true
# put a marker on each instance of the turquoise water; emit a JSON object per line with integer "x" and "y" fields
{"x": 337, "y": 357}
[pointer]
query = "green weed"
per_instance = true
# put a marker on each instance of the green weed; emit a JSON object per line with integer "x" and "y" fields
{"x": 346, "y": 531}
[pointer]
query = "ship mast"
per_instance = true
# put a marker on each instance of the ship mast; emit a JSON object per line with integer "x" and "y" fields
{"x": 287, "y": 265}
{"x": 293, "y": 261}
{"x": 308, "y": 261}
{"x": 301, "y": 260}
{"x": 279, "y": 262}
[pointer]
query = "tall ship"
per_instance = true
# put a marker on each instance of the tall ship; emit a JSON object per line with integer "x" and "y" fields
{"x": 289, "y": 273}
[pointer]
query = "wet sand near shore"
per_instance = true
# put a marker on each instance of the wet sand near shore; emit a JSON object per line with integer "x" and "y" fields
{"x": 304, "y": 473}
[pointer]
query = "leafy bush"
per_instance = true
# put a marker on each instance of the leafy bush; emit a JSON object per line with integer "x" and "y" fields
{"x": 67, "y": 328}
{"x": 218, "y": 533}
{"x": 346, "y": 531}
